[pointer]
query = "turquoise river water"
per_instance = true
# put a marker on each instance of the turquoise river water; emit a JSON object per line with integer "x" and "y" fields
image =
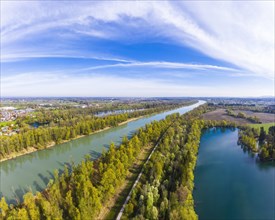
{"x": 33, "y": 171}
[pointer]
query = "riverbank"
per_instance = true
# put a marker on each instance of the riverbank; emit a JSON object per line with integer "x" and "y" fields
{"x": 33, "y": 149}
{"x": 35, "y": 170}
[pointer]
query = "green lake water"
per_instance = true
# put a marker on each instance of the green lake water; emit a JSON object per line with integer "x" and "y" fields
{"x": 33, "y": 171}
{"x": 229, "y": 182}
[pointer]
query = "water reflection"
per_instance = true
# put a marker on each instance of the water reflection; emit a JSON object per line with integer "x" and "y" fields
{"x": 94, "y": 154}
{"x": 243, "y": 183}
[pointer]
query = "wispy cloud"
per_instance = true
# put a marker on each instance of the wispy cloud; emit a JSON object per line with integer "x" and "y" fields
{"x": 241, "y": 33}
{"x": 44, "y": 84}
{"x": 65, "y": 54}
{"x": 162, "y": 64}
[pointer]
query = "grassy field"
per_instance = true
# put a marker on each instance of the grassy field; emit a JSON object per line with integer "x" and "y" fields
{"x": 221, "y": 114}
{"x": 6, "y": 123}
{"x": 266, "y": 126}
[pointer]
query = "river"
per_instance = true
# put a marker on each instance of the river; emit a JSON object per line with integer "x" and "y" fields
{"x": 116, "y": 112}
{"x": 33, "y": 171}
{"x": 229, "y": 182}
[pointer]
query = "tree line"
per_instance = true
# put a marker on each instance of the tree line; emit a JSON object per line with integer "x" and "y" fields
{"x": 267, "y": 143}
{"x": 165, "y": 189}
{"x": 81, "y": 190}
{"x": 64, "y": 130}
{"x": 259, "y": 141}
{"x": 253, "y": 119}
{"x": 248, "y": 138}
{"x": 56, "y": 116}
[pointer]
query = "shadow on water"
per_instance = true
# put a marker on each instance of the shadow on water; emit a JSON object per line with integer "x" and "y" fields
{"x": 131, "y": 134}
{"x": 61, "y": 164}
{"x": 37, "y": 186}
{"x": 43, "y": 178}
{"x": 17, "y": 195}
{"x": 68, "y": 164}
{"x": 252, "y": 157}
{"x": 51, "y": 174}
{"x": 94, "y": 154}
{"x": 20, "y": 192}
{"x": 107, "y": 146}
{"x": 265, "y": 165}
{"x": 10, "y": 165}
{"x": 244, "y": 149}
{"x": 44, "y": 161}
{"x": 252, "y": 154}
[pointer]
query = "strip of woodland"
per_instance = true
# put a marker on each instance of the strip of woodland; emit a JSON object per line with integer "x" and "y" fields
{"x": 166, "y": 186}
{"x": 81, "y": 191}
{"x": 64, "y": 130}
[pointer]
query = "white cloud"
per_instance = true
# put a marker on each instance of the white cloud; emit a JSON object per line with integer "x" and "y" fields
{"x": 44, "y": 84}
{"x": 162, "y": 64}
{"x": 60, "y": 54}
{"x": 48, "y": 84}
{"x": 241, "y": 33}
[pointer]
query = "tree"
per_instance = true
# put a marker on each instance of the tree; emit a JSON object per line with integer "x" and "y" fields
{"x": 264, "y": 153}
{"x": 31, "y": 207}
{"x": 154, "y": 213}
{"x": 4, "y": 207}
{"x": 262, "y": 135}
{"x": 149, "y": 204}
{"x": 241, "y": 115}
{"x": 22, "y": 214}
{"x": 73, "y": 212}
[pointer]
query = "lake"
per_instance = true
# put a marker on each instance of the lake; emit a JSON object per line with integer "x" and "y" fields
{"x": 33, "y": 171}
{"x": 229, "y": 182}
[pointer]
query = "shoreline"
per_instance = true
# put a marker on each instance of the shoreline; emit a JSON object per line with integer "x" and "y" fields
{"x": 33, "y": 149}
{"x": 30, "y": 150}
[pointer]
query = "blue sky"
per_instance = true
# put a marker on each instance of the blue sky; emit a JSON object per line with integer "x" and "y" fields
{"x": 147, "y": 48}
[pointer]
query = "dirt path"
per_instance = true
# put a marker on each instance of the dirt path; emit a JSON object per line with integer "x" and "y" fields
{"x": 134, "y": 185}
{"x": 139, "y": 175}
{"x": 111, "y": 208}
